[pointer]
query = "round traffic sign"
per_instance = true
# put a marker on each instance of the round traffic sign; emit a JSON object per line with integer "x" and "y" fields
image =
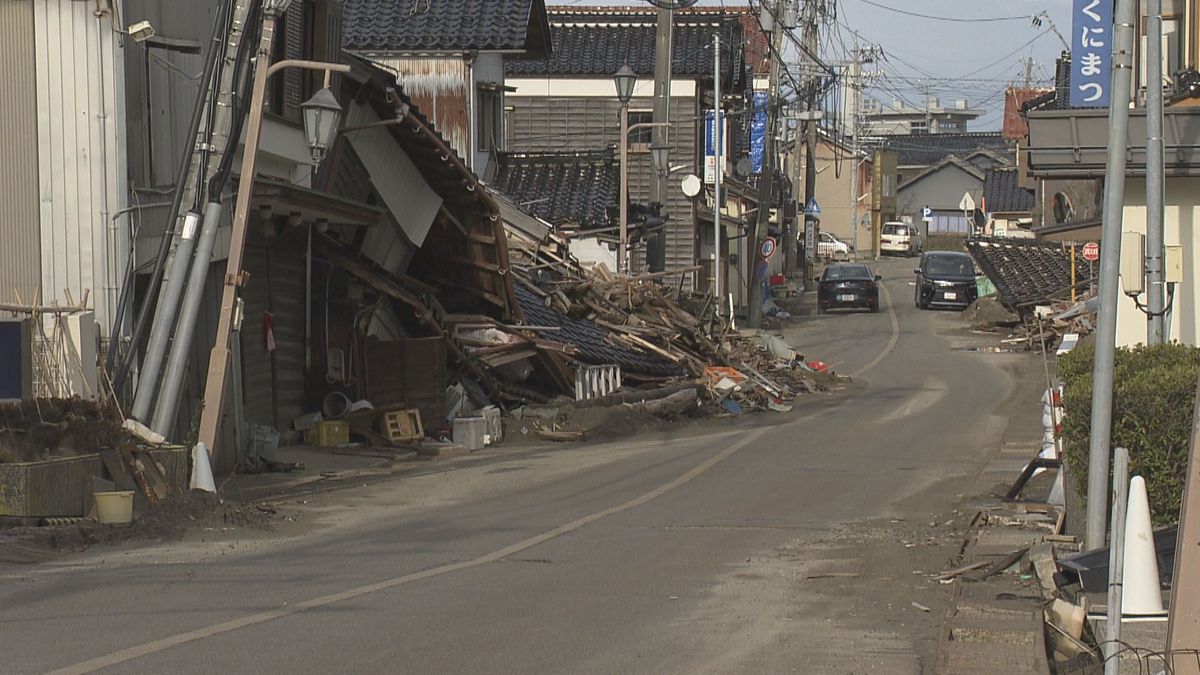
{"x": 767, "y": 248}
{"x": 1091, "y": 251}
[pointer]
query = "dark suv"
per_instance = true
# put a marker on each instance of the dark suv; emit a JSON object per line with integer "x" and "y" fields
{"x": 945, "y": 279}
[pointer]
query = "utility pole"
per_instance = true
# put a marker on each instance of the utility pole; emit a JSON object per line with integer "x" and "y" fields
{"x": 1028, "y": 71}
{"x": 766, "y": 180}
{"x": 1155, "y": 180}
{"x": 1110, "y": 268}
{"x": 854, "y": 98}
{"x": 660, "y": 135}
{"x": 812, "y": 114}
{"x": 718, "y": 137}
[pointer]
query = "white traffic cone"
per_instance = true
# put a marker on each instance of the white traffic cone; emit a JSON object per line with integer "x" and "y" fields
{"x": 1142, "y": 591}
{"x": 1057, "y": 496}
{"x": 202, "y": 476}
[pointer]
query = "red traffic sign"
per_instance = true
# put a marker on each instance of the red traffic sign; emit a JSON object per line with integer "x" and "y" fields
{"x": 767, "y": 248}
{"x": 1091, "y": 251}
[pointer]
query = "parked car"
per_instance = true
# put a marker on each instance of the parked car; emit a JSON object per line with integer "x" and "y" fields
{"x": 945, "y": 279}
{"x": 901, "y": 238}
{"x": 829, "y": 246}
{"x": 847, "y": 285}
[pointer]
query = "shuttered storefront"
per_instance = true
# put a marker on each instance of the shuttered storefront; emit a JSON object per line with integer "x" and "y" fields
{"x": 274, "y": 297}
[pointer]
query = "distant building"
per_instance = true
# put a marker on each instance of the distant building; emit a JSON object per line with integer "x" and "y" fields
{"x": 900, "y": 118}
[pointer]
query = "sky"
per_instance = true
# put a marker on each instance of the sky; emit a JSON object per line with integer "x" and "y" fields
{"x": 970, "y": 58}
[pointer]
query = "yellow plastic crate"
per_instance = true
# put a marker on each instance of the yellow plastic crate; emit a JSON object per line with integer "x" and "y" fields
{"x": 328, "y": 434}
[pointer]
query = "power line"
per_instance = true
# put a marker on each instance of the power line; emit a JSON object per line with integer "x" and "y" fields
{"x": 954, "y": 19}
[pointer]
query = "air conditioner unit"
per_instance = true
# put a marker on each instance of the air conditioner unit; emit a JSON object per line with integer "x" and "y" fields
{"x": 16, "y": 360}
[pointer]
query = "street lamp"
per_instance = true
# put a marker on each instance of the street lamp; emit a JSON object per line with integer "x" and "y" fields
{"x": 321, "y": 116}
{"x": 624, "y": 79}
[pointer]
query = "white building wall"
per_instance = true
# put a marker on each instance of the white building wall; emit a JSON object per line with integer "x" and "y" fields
{"x": 1182, "y": 228}
{"x": 81, "y": 152}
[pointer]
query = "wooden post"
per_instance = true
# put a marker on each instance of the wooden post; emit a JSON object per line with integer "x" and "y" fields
{"x": 218, "y": 361}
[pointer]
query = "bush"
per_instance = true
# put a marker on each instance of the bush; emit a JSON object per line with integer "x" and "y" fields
{"x": 1154, "y": 391}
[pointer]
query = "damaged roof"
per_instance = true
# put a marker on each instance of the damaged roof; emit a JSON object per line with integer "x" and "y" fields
{"x": 570, "y": 187}
{"x": 594, "y": 342}
{"x": 1027, "y": 272}
{"x": 446, "y": 25}
{"x": 1003, "y": 192}
{"x": 593, "y": 41}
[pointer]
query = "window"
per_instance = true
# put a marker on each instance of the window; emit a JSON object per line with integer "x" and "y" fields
{"x": 641, "y": 136}
{"x": 489, "y": 118}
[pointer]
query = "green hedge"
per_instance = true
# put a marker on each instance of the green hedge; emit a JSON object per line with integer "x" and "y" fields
{"x": 1154, "y": 391}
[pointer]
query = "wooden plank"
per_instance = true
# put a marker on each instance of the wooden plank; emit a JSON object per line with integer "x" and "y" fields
{"x": 117, "y": 471}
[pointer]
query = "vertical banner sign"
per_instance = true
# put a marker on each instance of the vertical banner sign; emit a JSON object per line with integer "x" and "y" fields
{"x": 758, "y": 130}
{"x": 710, "y": 147}
{"x": 1091, "y": 52}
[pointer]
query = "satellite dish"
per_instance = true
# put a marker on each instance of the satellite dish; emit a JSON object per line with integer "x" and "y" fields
{"x": 744, "y": 167}
{"x": 691, "y": 185}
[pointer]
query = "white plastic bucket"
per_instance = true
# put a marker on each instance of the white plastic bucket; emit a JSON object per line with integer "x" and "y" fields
{"x": 114, "y": 508}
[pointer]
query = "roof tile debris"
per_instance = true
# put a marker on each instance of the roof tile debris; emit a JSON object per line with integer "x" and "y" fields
{"x": 1027, "y": 272}
{"x": 570, "y": 187}
{"x": 1003, "y": 192}
{"x": 594, "y": 342}
{"x": 445, "y": 25}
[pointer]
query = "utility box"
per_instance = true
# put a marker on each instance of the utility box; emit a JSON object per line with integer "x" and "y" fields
{"x": 16, "y": 360}
{"x": 1133, "y": 262}
{"x": 1173, "y": 265}
{"x": 469, "y": 432}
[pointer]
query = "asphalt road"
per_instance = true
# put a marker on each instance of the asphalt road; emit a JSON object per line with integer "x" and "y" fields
{"x": 783, "y": 543}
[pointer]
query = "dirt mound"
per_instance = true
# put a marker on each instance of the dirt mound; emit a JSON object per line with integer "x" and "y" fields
{"x": 49, "y": 428}
{"x": 168, "y": 520}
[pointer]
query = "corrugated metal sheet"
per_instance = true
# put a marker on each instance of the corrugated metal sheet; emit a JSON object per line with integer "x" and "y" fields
{"x": 438, "y": 86}
{"x": 274, "y": 380}
{"x": 20, "y": 257}
{"x": 287, "y": 261}
{"x": 81, "y": 152}
{"x": 404, "y": 190}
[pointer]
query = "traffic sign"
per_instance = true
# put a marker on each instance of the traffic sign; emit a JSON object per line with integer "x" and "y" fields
{"x": 927, "y": 214}
{"x": 767, "y": 248}
{"x": 967, "y": 203}
{"x": 812, "y": 208}
{"x": 1091, "y": 251}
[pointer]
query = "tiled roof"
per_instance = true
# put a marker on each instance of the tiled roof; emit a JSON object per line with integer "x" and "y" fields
{"x": 591, "y": 41}
{"x": 927, "y": 149}
{"x": 560, "y": 187}
{"x": 1003, "y": 192}
{"x": 446, "y": 25}
{"x": 1026, "y": 272}
{"x": 595, "y": 343}
{"x": 1060, "y": 97}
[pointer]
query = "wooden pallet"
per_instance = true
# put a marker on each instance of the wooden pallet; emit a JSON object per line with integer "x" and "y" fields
{"x": 403, "y": 426}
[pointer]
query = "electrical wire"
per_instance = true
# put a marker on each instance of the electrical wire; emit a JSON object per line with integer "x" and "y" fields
{"x": 933, "y": 17}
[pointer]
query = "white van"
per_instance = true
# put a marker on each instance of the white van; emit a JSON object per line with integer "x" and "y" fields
{"x": 902, "y": 238}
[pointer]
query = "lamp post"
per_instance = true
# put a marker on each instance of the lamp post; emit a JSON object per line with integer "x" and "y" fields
{"x": 625, "y": 80}
{"x": 321, "y": 117}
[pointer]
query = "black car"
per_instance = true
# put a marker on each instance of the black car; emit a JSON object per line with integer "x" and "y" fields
{"x": 945, "y": 279}
{"x": 847, "y": 285}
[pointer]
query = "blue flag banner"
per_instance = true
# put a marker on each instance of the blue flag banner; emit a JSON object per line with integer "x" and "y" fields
{"x": 758, "y": 130}
{"x": 1091, "y": 53}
